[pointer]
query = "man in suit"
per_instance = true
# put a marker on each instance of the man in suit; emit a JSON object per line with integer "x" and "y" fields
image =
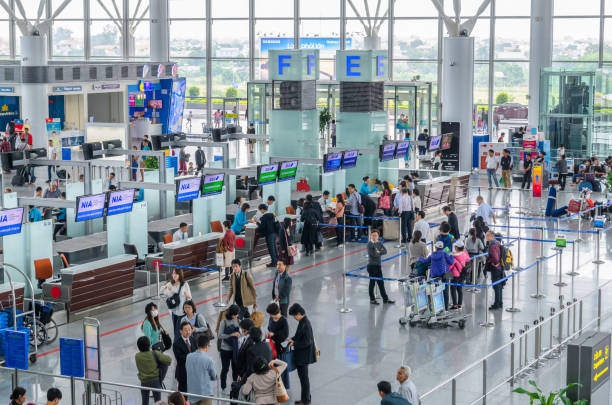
{"x": 183, "y": 344}
{"x": 200, "y": 158}
{"x": 267, "y": 229}
{"x": 281, "y": 289}
{"x": 242, "y": 288}
{"x": 452, "y": 221}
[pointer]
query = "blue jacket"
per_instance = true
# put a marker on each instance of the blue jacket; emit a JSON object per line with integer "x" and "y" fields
{"x": 439, "y": 262}
{"x": 239, "y": 221}
{"x": 447, "y": 240}
{"x": 394, "y": 399}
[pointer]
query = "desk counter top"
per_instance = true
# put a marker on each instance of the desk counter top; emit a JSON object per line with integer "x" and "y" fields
{"x": 82, "y": 268}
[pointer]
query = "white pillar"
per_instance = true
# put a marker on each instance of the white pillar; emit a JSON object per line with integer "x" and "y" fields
{"x": 540, "y": 55}
{"x": 34, "y": 98}
{"x": 159, "y": 30}
{"x": 458, "y": 91}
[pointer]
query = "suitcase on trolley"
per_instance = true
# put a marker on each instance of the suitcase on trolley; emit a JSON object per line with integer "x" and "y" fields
{"x": 574, "y": 206}
{"x": 390, "y": 229}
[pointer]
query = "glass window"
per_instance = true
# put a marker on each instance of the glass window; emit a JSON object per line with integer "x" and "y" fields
{"x": 194, "y": 71}
{"x": 142, "y": 42}
{"x": 415, "y": 39}
{"x": 481, "y": 83}
{"x": 365, "y": 8}
{"x": 356, "y": 31}
{"x": 575, "y": 65}
{"x": 411, "y": 8}
{"x": 513, "y": 8}
{"x": 405, "y": 71}
{"x": 272, "y": 34}
{"x": 481, "y": 34}
{"x": 230, "y": 74}
{"x": 512, "y": 38}
{"x": 187, "y": 38}
{"x": 187, "y": 8}
{"x": 607, "y": 54}
{"x": 320, "y": 8}
{"x": 576, "y": 39}
{"x": 324, "y": 32}
{"x": 572, "y": 7}
{"x": 74, "y": 9}
{"x": 273, "y": 8}
{"x": 230, "y": 39}
{"x": 97, "y": 10}
{"x": 5, "y": 48}
{"x": 105, "y": 39}
{"x": 230, "y": 8}
{"x": 68, "y": 38}
{"x": 139, "y": 8}
{"x": 468, "y": 8}
{"x": 513, "y": 79}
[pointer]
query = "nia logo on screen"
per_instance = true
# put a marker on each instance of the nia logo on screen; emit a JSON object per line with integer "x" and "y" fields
{"x": 117, "y": 198}
{"x": 86, "y": 204}
{"x": 3, "y": 218}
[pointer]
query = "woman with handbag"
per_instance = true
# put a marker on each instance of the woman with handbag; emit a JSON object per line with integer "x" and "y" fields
{"x": 384, "y": 201}
{"x": 278, "y": 332}
{"x": 151, "y": 328}
{"x": 197, "y": 321}
{"x": 338, "y": 213}
{"x": 266, "y": 383}
{"x": 227, "y": 245}
{"x": 176, "y": 292}
{"x": 287, "y": 251}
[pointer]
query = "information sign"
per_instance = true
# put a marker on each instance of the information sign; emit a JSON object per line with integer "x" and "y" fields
{"x": 537, "y": 181}
{"x": 72, "y": 361}
{"x": 16, "y": 349}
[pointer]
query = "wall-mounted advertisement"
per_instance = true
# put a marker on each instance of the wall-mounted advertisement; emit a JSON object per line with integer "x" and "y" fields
{"x": 177, "y": 105}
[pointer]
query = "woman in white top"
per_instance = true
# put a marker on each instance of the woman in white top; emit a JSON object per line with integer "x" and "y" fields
{"x": 177, "y": 285}
{"x": 416, "y": 200}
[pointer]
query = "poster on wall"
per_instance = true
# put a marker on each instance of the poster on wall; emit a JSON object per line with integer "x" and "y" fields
{"x": 537, "y": 180}
{"x": 9, "y": 110}
{"x": 54, "y": 128}
{"x": 449, "y": 145}
{"x": 177, "y": 104}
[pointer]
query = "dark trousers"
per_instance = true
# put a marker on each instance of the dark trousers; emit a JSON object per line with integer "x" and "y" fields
{"x": 199, "y": 168}
{"x": 456, "y": 291}
{"x": 333, "y": 139}
{"x": 49, "y": 168}
{"x": 526, "y": 180}
{"x": 272, "y": 249}
{"x": 356, "y": 233}
{"x": 497, "y": 274}
{"x": 283, "y": 309}
{"x": 227, "y": 358}
{"x": 407, "y": 217}
{"x": 562, "y": 178}
{"x": 304, "y": 382}
{"x": 340, "y": 232}
{"x": 176, "y": 322}
{"x": 376, "y": 271}
{"x": 145, "y": 392}
{"x": 445, "y": 294}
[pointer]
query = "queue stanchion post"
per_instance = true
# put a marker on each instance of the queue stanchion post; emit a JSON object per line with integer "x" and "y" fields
{"x": 541, "y": 243}
{"x": 220, "y": 303}
{"x": 474, "y": 289}
{"x": 344, "y": 309}
{"x": 518, "y": 254}
{"x": 560, "y": 283}
{"x": 597, "y": 243}
{"x": 399, "y": 233}
{"x": 487, "y": 323}
{"x": 156, "y": 266}
{"x": 513, "y": 308}
{"x": 573, "y": 272}
{"x": 538, "y": 295}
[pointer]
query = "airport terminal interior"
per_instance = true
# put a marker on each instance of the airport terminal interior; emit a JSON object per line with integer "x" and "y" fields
{"x": 395, "y": 202}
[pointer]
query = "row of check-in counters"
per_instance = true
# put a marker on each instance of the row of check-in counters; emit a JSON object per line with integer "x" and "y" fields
{"x": 88, "y": 283}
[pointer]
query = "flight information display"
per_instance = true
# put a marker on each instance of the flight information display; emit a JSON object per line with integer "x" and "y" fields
{"x": 213, "y": 184}
{"x": 387, "y": 152}
{"x": 402, "y": 149}
{"x": 434, "y": 142}
{"x": 120, "y": 201}
{"x": 288, "y": 170}
{"x": 349, "y": 159}
{"x": 332, "y": 162}
{"x": 188, "y": 189}
{"x": 10, "y": 221}
{"x": 266, "y": 174}
{"x": 90, "y": 207}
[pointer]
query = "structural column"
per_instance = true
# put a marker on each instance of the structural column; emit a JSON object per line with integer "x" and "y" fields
{"x": 458, "y": 91}
{"x": 34, "y": 99}
{"x": 159, "y": 30}
{"x": 540, "y": 55}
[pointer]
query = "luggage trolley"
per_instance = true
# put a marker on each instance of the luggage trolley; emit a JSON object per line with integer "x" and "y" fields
{"x": 440, "y": 317}
{"x": 415, "y": 299}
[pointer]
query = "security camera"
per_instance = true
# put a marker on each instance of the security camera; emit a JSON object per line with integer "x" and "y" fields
{"x": 464, "y": 33}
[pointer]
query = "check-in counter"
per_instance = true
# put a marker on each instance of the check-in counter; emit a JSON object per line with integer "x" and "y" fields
{"x": 255, "y": 245}
{"x": 6, "y": 296}
{"x": 82, "y": 248}
{"x": 157, "y": 229}
{"x": 198, "y": 251}
{"x": 230, "y": 210}
{"x": 92, "y": 284}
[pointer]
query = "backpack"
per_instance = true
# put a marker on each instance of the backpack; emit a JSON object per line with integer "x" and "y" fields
{"x": 506, "y": 260}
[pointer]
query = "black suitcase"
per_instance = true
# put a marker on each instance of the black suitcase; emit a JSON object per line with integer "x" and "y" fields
{"x": 19, "y": 178}
{"x": 61, "y": 174}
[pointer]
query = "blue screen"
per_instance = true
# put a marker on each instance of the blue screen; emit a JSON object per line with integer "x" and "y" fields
{"x": 120, "y": 201}
{"x": 332, "y": 162}
{"x": 177, "y": 104}
{"x": 402, "y": 149}
{"x": 387, "y": 151}
{"x": 90, "y": 207}
{"x": 349, "y": 159}
{"x": 10, "y": 221}
{"x": 188, "y": 189}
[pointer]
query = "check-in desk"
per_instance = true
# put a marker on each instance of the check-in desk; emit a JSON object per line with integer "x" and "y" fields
{"x": 6, "y": 296}
{"x": 157, "y": 229}
{"x": 82, "y": 248}
{"x": 230, "y": 210}
{"x": 255, "y": 246}
{"x": 198, "y": 251}
{"x": 92, "y": 284}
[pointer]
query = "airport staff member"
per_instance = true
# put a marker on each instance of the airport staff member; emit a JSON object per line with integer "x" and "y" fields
{"x": 181, "y": 233}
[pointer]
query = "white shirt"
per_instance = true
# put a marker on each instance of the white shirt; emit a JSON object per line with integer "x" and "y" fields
{"x": 179, "y": 235}
{"x": 491, "y": 162}
{"x": 408, "y": 391}
{"x": 423, "y": 226}
{"x": 405, "y": 202}
{"x": 50, "y": 152}
{"x": 324, "y": 202}
{"x": 416, "y": 202}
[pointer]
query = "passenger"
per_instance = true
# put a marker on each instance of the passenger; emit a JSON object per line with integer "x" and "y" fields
{"x": 332, "y": 130}
{"x": 34, "y": 215}
{"x": 311, "y": 218}
{"x": 278, "y": 332}
{"x": 228, "y": 334}
{"x": 527, "y": 166}
{"x": 200, "y": 158}
{"x": 437, "y": 160}
{"x": 227, "y": 248}
{"x": 319, "y": 240}
{"x": 484, "y": 210}
{"x": 183, "y": 344}
{"x": 305, "y": 350}
{"x": 493, "y": 265}
{"x": 561, "y": 167}
{"x": 53, "y": 396}
{"x": 38, "y": 193}
{"x": 369, "y": 207}
{"x": 18, "y": 397}
{"x": 405, "y": 209}
{"x": 416, "y": 200}
{"x": 51, "y": 154}
{"x": 445, "y": 237}
{"x": 242, "y": 288}
{"x": 260, "y": 348}
{"x": 183, "y": 159}
{"x": 177, "y": 285}
{"x": 196, "y": 320}
{"x": 324, "y": 200}
{"x": 201, "y": 373}
{"x": 263, "y": 381}
{"x": 481, "y": 228}
{"x": 240, "y": 218}
{"x": 271, "y": 203}
{"x": 439, "y": 263}
{"x": 388, "y": 397}
{"x": 267, "y": 229}
{"x": 457, "y": 269}
{"x": 147, "y": 362}
{"x": 52, "y": 191}
{"x": 452, "y": 220}
{"x": 244, "y": 345}
{"x": 176, "y": 399}
{"x": 285, "y": 242}
{"x": 60, "y": 224}
{"x": 152, "y": 328}
{"x": 474, "y": 247}
{"x": 492, "y": 167}
{"x": 134, "y": 166}
{"x": 407, "y": 389}
{"x": 110, "y": 181}
{"x": 181, "y": 233}
{"x": 417, "y": 249}
{"x": 409, "y": 183}
{"x": 506, "y": 166}
{"x": 421, "y": 226}
{"x": 281, "y": 288}
{"x": 338, "y": 213}
{"x": 251, "y": 131}
{"x": 191, "y": 169}
{"x": 384, "y": 200}
{"x": 376, "y": 250}
{"x": 365, "y": 186}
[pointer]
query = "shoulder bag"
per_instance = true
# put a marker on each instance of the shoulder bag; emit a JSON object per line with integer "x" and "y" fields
{"x": 279, "y": 388}
{"x": 162, "y": 369}
{"x": 208, "y": 332}
{"x": 291, "y": 250}
{"x": 175, "y": 299}
{"x": 166, "y": 339}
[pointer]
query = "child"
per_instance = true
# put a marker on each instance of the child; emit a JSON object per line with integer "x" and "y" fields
{"x": 439, "y": 262}
{"x": 445, "y": 237}
{"x": 457, "y": 270}
{"x": 417, "y": 249}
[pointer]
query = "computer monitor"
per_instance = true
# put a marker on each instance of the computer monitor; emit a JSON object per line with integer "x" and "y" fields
{"x": 288, "y": 170}
{"x": 434, "y": 143}
{"x": 90, "y": 207}
{"x": 10, "y": 221}
{"x": 188, "y": 189}
{"x": 157, "y": 104}
{"x": 349, "y": 158}
{"x": 119, "y": 202}
{"x": 402, "y": 149}
{"x": 213, "y": 184}
{"x": 112, "y": 144}
{"x": 332, "y": 162}
{"x": 386, "y": 152}
{"x": 266, "y": 174}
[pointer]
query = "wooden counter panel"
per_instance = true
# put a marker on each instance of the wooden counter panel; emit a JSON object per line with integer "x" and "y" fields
{"x": 195, "y": 255}
{"x": 6, "y": 298}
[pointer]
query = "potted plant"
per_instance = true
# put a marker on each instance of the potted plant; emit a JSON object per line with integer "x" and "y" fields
{"x": 324, "y": 119}
{"x": 554, "y": 398}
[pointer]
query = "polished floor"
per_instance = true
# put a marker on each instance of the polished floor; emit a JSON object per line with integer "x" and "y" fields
{"x": 367, "y": 345}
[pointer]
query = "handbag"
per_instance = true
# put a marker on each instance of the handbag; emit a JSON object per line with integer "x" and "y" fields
{"x": 166, "y": 340}
{"x": 279, "y": 388}
{"x": 162, "y": 369}
{"x": 273, "y": 348}
{"x": 384, "y": 202}
{"x": 208, "y": 332}
{"x": 287, "y": 357}
{"x": 291, "y": 250}
{"x": 175, "y": 299}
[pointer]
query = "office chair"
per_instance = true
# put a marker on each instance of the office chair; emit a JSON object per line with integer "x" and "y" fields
{"x": 131, "y": 249}
{"x": 64, "y": 260}
{"x": 167, "y": 238}
{"x": 43, "y": 270}
{"x": 215, "y": 226}
{"x": 290, "y": 210}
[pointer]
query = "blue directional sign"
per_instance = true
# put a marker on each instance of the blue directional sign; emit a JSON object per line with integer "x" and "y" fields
{"x": 72, "y": 361}
{"x": 16, "y": 349}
